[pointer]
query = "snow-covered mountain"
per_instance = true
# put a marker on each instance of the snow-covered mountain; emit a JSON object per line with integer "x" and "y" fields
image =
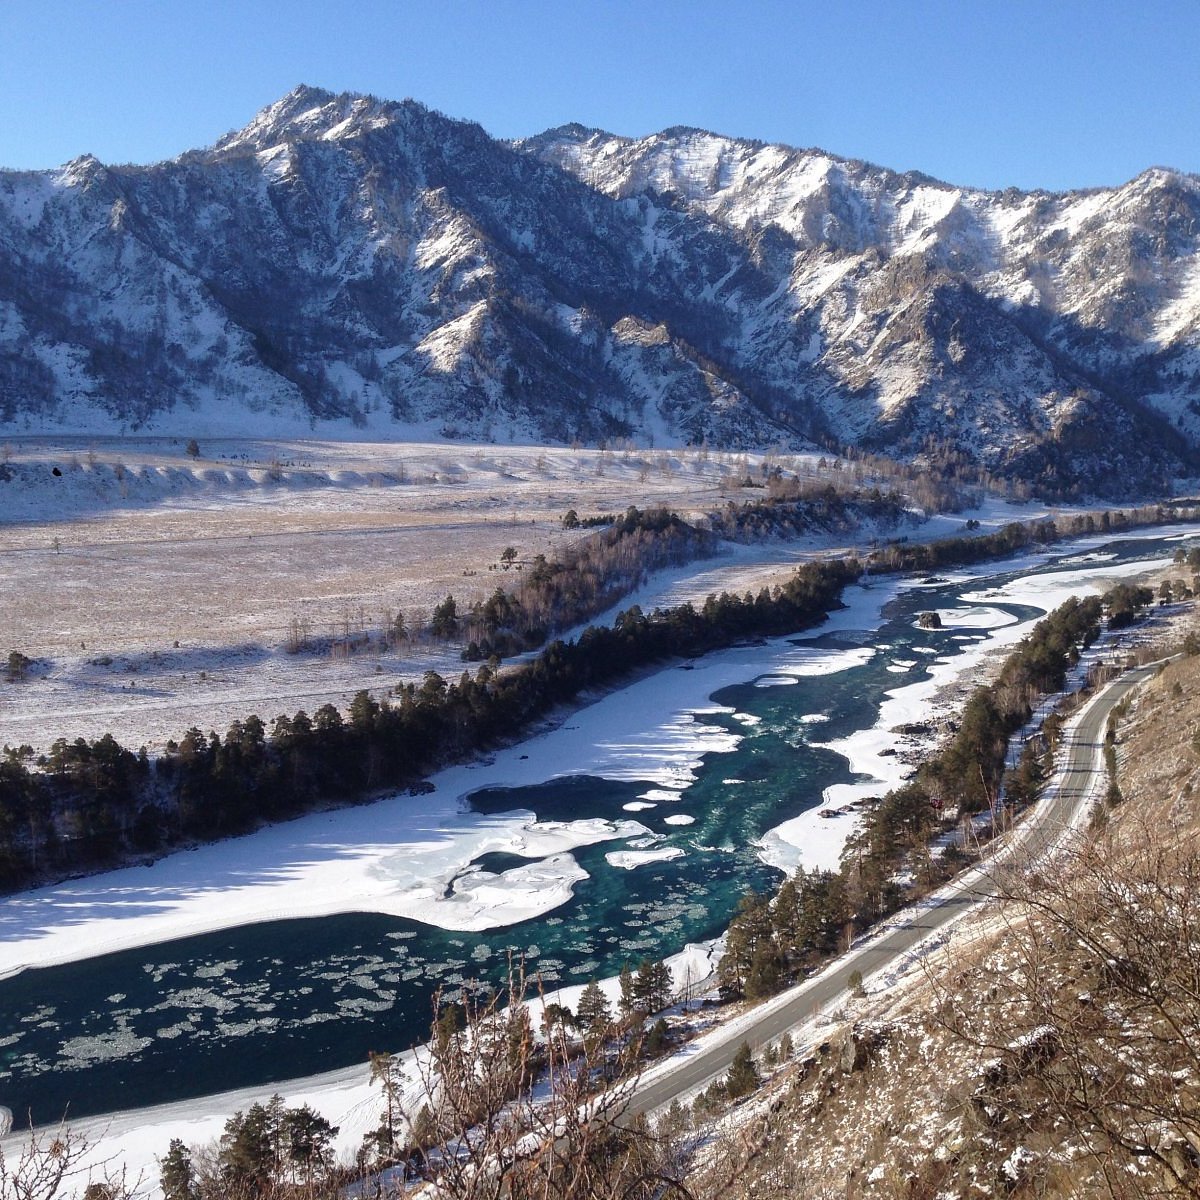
{"x": 349, "y": 262}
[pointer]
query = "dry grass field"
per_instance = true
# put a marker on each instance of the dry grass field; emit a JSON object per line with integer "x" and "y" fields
{"x": 158, "y": 590}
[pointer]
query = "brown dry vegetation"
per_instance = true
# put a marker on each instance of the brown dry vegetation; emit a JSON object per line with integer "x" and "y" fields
{"x": 1159, "y": 771}
{"x": 228, "y": 555}
{"x": 219, "y": 564}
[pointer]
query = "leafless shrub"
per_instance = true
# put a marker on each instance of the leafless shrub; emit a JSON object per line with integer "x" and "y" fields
{"x": 54, "y": 1163}
{"x": 299, "y": 635}
{"x": 1093, "y": 1017}
{"x": 484, "y": 1134}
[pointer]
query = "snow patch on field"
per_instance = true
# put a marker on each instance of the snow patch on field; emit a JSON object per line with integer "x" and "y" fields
{"x": 400, "y": 855}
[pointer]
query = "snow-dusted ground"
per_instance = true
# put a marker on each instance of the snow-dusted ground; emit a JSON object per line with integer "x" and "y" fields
{"x": 158, "y": 593}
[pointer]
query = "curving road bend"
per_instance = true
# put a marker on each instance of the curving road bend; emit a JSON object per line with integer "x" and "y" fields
{"x": 1060, "y": 812}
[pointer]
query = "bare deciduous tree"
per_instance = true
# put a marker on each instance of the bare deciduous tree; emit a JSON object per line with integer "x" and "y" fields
{"x": 571, "y": 1137}
{"x": 56, "y": 1163}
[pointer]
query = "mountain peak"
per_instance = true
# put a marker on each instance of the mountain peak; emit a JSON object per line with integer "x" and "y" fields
{"x": 82, "y": 170}
{"x": 306, "y": 113}
{"x": 304, "y": 95}
{"x": 571, "y": 134}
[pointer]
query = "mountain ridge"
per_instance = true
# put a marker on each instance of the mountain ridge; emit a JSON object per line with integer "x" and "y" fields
{"x": 360, "y": 264}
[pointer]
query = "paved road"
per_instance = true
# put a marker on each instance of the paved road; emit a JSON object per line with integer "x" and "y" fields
{"x": 1043, "y": 830}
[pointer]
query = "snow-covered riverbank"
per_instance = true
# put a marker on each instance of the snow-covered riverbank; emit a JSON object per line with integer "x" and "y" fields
{"x": 412, "y": 856}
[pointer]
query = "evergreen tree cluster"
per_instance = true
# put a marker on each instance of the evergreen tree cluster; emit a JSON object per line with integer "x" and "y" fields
{"x": 646, "y": 991}
{"x": 1016, "y": 536}
{"x": 267, "y": 1151}
{"x": 88, "y": 803}
{"x": 887, "y": 862}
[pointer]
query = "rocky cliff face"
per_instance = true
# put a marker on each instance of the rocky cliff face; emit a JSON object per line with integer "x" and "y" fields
{"x": 344, "y": 262}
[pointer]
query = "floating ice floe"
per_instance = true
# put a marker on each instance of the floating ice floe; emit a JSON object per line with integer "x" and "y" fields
{"x": 629, "y": 859}
{"x": 479, "y": 900}
{"x": 975, "y": 617}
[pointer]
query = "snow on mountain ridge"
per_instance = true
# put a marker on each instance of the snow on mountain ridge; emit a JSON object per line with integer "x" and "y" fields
{"x": 1104, "y": 271}
{"x": 374, "y": 263}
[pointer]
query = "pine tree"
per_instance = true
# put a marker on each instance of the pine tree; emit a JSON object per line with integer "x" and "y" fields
{"x": 743, "y": 1077}
{"x": 628, "y": 1000}
{"x": 444, "y": 621}
{"x": 176, "y": 1176}
{"x": 556, "y": 1017}
{"x": 251, "y": 1147}
{"x": 592, "y": 1012}
{"x": 652, "y": 986}
{"x": 750, "y": 927}
{"x": 449, "y": 1024}
{"x": 656, "y": 1039}
{"x": 643, "y": 988}
{"x": 785, "y": 918}
{"x": 385, "y": 1070}
{"x": 762, "y": 976}
{"x": 308, "y": 1137}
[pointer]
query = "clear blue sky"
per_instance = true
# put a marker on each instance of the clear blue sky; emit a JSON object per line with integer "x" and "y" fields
{"x": 1031, "y": 93}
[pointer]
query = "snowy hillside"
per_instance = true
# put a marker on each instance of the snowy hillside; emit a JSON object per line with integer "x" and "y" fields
{"x": 938, "y": 310}
{"x": 346, "y": 264}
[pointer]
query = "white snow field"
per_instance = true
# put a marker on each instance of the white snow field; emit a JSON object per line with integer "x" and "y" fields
{"x": 401, "y": 854}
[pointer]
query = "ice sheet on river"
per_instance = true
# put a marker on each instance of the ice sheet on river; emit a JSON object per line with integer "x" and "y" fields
{"x": 406, "y": 855}
{"x": 398, "y": 854}
{"x": 815, "y": 841}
